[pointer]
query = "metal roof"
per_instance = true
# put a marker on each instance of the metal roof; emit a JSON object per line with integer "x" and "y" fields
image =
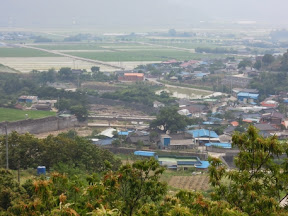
{"x": 123, "y": 133}
{"x": 208, "y": 123}
{"x": 221, "y": 145}
{"x": 204, "y": 165}
{"x": 103, "y": 142}
{"x": 203, "y": 133}
{"x": 25, "y": 97}
{"x": 144, "y": 153}
{"x": 108, "y": 132}
{"x": 134, "y": 74}
{"x": 249, "y": 95}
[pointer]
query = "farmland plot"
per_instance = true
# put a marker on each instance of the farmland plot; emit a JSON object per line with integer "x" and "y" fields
{"x": 198, "y": 182}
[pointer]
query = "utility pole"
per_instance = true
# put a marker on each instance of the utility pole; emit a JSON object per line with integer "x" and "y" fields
{"x": 7, "y": 161}
{"x": 209, "y": 133}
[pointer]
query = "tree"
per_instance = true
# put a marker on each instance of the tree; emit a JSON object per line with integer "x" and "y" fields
{"x": 256, "y": 186}
{"x": 268, "y": 59}
{"x": 284, "y": 61}
{"x": 65, "y": 73}
{"x": 244, "y": 63}
{"x": 169, "y": 120}
{"x": 10, "y": 190}
{"x": 95, "y": 69}
{"x": 258, "y": 64}
{"x": 172, "y": 32}
{"x": 134, "y": 185}
{"x": 80, "y": 112}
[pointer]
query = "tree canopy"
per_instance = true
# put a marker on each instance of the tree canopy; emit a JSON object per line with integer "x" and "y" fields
{"x": 170, "y": 120}
{"x": 259, "y": 182}
{"x": 27, "y": 151}
{"x": 254, "y": 188}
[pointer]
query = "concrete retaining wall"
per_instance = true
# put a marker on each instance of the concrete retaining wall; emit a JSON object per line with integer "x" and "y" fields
{"x": 115, "y": 150}
{"x": 36, "y": 126}
{"x": 221, "y": 150}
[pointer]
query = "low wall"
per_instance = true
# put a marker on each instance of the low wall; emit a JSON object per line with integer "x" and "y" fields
{"x": 221, "y": 150}
{"x": 36, "y": 126}
{"x": 120, "y": 150}
{"x": 201, "y": 156}
{"x": 115, "y": 150}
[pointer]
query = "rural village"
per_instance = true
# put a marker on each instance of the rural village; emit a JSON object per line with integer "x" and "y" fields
{"x": 215, "y": 94}
{"x": 181, "y": 98}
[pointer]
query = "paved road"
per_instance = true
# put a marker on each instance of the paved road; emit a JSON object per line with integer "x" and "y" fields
{"x": 71, "y": 56}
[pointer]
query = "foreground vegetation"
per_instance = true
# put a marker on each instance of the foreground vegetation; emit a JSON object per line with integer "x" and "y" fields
{"x": 255, "y": 188}
{"x": 27, "y": 151}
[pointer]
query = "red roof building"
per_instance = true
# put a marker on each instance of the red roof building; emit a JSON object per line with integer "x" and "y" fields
{"x": 131, "y": 77}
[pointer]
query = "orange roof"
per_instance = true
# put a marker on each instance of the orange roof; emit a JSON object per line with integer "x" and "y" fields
{"x": 234, "y": 123}
{"x": 247, "y": 120}
{"x": 134, "y": 74}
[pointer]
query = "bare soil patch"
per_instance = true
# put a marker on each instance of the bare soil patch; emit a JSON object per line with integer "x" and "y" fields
{"x": 197, "y": 182}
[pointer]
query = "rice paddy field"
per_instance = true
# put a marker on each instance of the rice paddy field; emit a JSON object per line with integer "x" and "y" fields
{"x": 124, "y": 54}
{"x": 23, "y": 52}
{"x": 16, "y": 115}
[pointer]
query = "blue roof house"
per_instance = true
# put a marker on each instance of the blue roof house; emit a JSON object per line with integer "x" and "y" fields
{"x": 203, "y": 136}
{"x": 246, "y": 97}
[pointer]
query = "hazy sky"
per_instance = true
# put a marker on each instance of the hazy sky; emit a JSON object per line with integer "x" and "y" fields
{"x": 135, "y": 13}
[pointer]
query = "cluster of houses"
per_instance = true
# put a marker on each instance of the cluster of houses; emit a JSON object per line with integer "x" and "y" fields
{"x": 193, "y": 71}
{"x": 36, "y": 104}
{"x": 218, "y": 118}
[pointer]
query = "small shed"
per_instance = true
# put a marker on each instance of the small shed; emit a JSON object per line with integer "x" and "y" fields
{"x": 28, "y": 99}
{"x": 165, "y": 140}
{"x": 247, "y": 97}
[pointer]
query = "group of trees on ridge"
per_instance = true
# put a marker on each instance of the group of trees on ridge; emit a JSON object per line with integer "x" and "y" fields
{"x": 27, "y": 151}
{"x": 140, "y": 93}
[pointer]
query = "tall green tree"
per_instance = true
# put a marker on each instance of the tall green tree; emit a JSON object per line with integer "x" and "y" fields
{"x": 268, "y": 59}
{"x": 168, "y": 119}
{"x": 257, "y": 184}
{"x": 95, "y": 69}
{"x": 135, "y": 185}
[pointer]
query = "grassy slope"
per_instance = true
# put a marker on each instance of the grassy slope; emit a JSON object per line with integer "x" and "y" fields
{"x": 15, "y": 115}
